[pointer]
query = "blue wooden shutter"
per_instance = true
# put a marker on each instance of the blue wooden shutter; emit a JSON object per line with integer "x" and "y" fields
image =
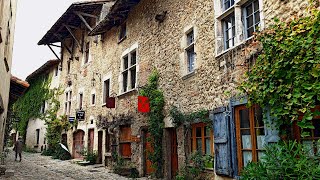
{"x": 222, "y": 142}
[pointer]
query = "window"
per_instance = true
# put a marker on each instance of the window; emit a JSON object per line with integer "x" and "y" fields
{"x": 123, "y": 32}
{"x": 125, "y": 141}
{"x": 80, "y": 101}
{"x": 227, "y": 4}
{"x": 93, "y": 99}
{"x": 67, "y": 104}
{"x": 43, "y": 107}
{"x": 251, "y": 17}
{"x": 129, "y": 72}
{"x": 56, "y": 71}
{"x": 190, "y": 51}
{"x": 86, "y": 51}
{"x": 107, "y": 142}
{"x": 310, "y": 141}
{"x": 69, "y": 64}
{"x": 229, "y": 31}
{"x": 202, "y": 139}
{"x": 6, "y": 64}
{"x": 250, "y": 134}
{"x": 37, "y": 135}
{"x": 106, "y": 90}
{"x": 236, "y": 24}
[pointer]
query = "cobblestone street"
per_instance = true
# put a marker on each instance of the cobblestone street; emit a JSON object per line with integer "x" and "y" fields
{"x": 37, "y": 167}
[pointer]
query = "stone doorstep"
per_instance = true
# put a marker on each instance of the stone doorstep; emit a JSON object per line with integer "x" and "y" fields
{"x": 9, "y": 173}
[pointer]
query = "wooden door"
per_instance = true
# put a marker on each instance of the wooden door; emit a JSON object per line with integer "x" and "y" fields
{"x": 77, "y": 143}
{"x": 148, "y": 149}
{"x": 174, "y": 152}
{"x": 90, "y": 140}
{"x": 100, "y": 133}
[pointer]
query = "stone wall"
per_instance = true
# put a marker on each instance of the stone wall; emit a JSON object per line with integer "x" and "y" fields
{"x": 7, "y": 24}
{"x": 160, "y": 46}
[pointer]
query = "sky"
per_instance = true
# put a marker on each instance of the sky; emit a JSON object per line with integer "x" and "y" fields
{"x": 34, "y": 19}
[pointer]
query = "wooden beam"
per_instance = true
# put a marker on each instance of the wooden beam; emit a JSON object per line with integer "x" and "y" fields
{"x": 86, "y": 14}
{"x": 54, "y": 52}
{"x": 63, "y": 43}
{"x": 74, "y": 37}
{"x": 54, "y": 45}
{"x": 83, "y": 20}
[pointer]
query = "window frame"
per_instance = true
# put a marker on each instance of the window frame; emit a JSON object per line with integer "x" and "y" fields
{"x": 67, "y": 104}
{"x": 81, "y": 100}
{"x": 106, "y": 91}
{"x": 37, "y": 136}
{"x": 126, "y": 72}
{"x": 194, "y": 137}
{"x": 253, "y": 136}
{"x": 190, "y": 51}
{"x": 122, "y": 32}
{"x": 93, "y": 99}
{"x": 245, "y": 15}
{"x": 226, "y": 30}
{"x": 86, "y": 52}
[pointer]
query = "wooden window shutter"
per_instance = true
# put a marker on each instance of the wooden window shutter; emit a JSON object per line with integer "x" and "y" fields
{"x": 222, "y": 142}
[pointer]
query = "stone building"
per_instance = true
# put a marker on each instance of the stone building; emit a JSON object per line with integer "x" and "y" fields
{"x": 36, "y": 128}
{"x": 7, "y": 27}
{"x": 109, "y": 49}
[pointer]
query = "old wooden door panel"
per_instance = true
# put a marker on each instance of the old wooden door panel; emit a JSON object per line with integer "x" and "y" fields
{"x": 77, "y": 143}
{"x": 174, "y": 153}
{"x": 100, "y": 133}
{"x": 148, "y": 149}
{"x": 91, "y": 140}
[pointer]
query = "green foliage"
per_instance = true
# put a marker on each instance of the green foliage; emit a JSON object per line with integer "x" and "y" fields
{"x": 92, "y": 157}
{"x": 179, "y": 118}
{"x": 288, "y": 70}
{"x": 29, "y": 149}
{"x": 28, "y": 106}
{"x": 61, "y": 153}
{"x": 156, "y": 123}
{"x": 284, "y": 160}
{"x": 194, "y": 168}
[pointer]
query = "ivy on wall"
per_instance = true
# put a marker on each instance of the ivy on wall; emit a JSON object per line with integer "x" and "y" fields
{"x": 28, "y": 106}
{"x": 286, "y": 74}
{"x": 156, "y": 123}
{"x": 180, "y": 118}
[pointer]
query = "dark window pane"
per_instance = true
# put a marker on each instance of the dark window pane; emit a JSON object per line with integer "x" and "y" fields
{"x": 229, "y": 30}
{"x": 256, "y": 17}
{"x": 244, "y": 118}
{"x": 198, "y": 132}
{"x": 249, "y": 10}
{"x": 190, "y": 37}
{"x": 256, "y": 6}
{"x": 199, "y": 144}
{"x": 316, "y": 125}
{"x": 207, "y": 131}
{"x": 125, "y": 62}
{"x": 250, "y": 31}
{"x": 133, "y": 58}
{"x": 125, "y": 81}
{"x": 249, "y": 21}
{"x": 191, "y": 55}
{"x": 133, "y": 77}
{"x": 258, "y": 117}
{"x": 93, "y": 98}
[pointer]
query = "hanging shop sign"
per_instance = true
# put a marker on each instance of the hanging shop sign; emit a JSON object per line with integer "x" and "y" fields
{"x": 111, "y": 102}
{"x": 80, "y": 115}
{"x": 71, "y": 119}
{"x": 143, "y": 104}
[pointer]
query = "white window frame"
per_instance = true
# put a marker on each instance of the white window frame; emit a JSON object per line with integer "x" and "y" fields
{"x": 190, "y": 45}
{"x": 128, "y": 53}
{"x": 68, "y": 102}
{"x": 240, "y": 29}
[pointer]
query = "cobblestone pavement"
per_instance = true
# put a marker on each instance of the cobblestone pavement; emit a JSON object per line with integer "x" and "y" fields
{"x": 36, "y": 167}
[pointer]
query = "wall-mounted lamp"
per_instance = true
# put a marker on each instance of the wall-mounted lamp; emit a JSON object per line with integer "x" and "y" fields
{"x": 160, "y": 17}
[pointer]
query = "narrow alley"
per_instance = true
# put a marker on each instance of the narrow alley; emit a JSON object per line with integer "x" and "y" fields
{"x": 36, "y": 167}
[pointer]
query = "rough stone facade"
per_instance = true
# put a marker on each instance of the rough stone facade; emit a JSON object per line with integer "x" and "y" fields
{"x": 161, "y": 46}
{"x": 7, "y": 27}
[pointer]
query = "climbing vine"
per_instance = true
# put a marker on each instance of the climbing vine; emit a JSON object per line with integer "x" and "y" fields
{"x": 285, "y": 77}
{"x": 180, "y": 118}
{"x": 28, "y": 106}
{"x": 156, "y": 123}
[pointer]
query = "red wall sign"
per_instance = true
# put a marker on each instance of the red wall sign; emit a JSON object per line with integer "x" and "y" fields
{"x": 143, "y": 104}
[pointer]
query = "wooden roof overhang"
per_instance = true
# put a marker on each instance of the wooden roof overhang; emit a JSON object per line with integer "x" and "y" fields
{"x": 64, "y": 27}
{"x": 43, "y": 69}
{"x": 17, "y": 88}
{"x": 117, "y": 14}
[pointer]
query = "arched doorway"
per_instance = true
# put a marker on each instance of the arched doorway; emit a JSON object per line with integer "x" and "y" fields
{"x": 78, "y": 142}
